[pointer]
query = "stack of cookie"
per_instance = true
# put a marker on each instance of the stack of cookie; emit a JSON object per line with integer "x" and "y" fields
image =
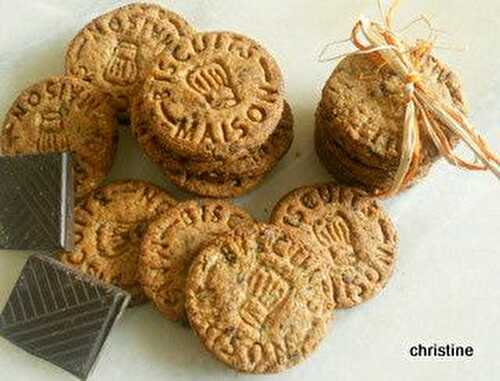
{"x": 212, "y": 114}
{"x": 360, "y": 117}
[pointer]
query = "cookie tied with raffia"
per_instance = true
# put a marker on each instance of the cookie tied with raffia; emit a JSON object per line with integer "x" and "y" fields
{"x": 390, "y": 110}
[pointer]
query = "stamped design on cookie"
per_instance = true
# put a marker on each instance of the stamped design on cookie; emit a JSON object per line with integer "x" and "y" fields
{"x": 171, "y": 243}
{"x": 214, "y": 89}
{"x": 114, "y": 238}
{"x": 115, "y": 50}
{"x": 259, "y": 299}
{"x": 52, "y": 133}
{"x": 213, "y": 83}
{"x": 333, "y": 230}
{"x": 253, "y": 164}
{"x": 122, "y": 68}
{"x": 363, "y": 114}
{"x": 267, "y": 289}
{"x": 109, "y": 228}
{"x": 351, "y": 229}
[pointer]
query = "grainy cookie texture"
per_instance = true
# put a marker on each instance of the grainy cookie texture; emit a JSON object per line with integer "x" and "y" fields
{"x": 172, "y": 242}
{"x": 114, "y": 51}
{"x": 361, "y": 117}
{"x": 222, "y": 178}
{"x": 216, "y": 95}
{"x": 251, "y": 164}
{"x": 351, "y": 229}
{"x": 259, "y": 299}
{"x": 64, "y": 114}
{"x": 109, "y": 227}
{"x": 216, "y": 187}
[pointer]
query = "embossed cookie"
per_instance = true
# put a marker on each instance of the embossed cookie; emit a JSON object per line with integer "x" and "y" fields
{"x": 351, "y": 229}
{"x": 259, "y": 299}
{"x": 216, "y": 187}
{"x": 115, "y": 50}
{"x": 351, "y": 172}
{"x": 365, "y": 105}
{"x": 216, "y": 95}
{"x": 172, "y": 242}
{"x": 64, "y": 114}
{"x": 223, "y": 181}
{"x": 252, "y": 164}
{"x": 109, "y": 227}
{"x": 361, "y": 115}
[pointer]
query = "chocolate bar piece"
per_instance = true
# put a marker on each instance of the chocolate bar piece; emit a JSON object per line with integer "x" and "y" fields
{"x": 61, "y": 315}
{"x": 36, "y": 202}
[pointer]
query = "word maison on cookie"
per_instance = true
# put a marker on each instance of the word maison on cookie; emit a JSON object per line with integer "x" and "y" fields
{"x": 209, "y": 110}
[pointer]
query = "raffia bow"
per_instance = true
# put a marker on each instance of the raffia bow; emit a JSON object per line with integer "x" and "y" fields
{"x": 436, "y": 116}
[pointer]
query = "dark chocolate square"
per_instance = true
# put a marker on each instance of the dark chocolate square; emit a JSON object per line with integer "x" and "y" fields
{"x": 61, "y": 315}
{"x": 36, "y": 202}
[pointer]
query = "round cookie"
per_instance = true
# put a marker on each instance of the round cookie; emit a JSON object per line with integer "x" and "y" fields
{"x": 64, "y": 114}
{"x": 363, "y": 107}
{"x": 351, "y": 229}
{"x": 115, "y": 50}
{"x": 350, "y": 171}
{"x": 259, "y": 299}
{"x": 252, "y": 164}
{"x": 218, "y": 94}
{"x": 210, "y": 184}
{"x": 257, "y": 162}
{"x": 172, "y": 242}
{"x": 109, "y": 227}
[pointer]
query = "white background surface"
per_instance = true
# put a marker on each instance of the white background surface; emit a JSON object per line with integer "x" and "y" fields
{"x": 446, "y": 287}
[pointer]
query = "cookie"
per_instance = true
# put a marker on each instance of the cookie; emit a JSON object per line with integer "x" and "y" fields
{"x": 252, "y": 164}
{"x": 365, "y": 106}
{"x": 351, "y": 229}
{"x": 172, "y": 242}
{"x": 332, "y": 164}
{"x": 259, "y": 299}
{"x": 213, "y": 186}
{"x": 214, "y": 183}
{"x": 350, "y": 171}
{"x": 115, "y": 50}
{"x": 64, "y": 114}
{"x": 218, "y": 94}
{"x": 109, "y": 227}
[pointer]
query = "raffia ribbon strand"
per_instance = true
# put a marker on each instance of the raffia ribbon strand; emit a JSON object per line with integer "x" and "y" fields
{"x": 382, "y": 44}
